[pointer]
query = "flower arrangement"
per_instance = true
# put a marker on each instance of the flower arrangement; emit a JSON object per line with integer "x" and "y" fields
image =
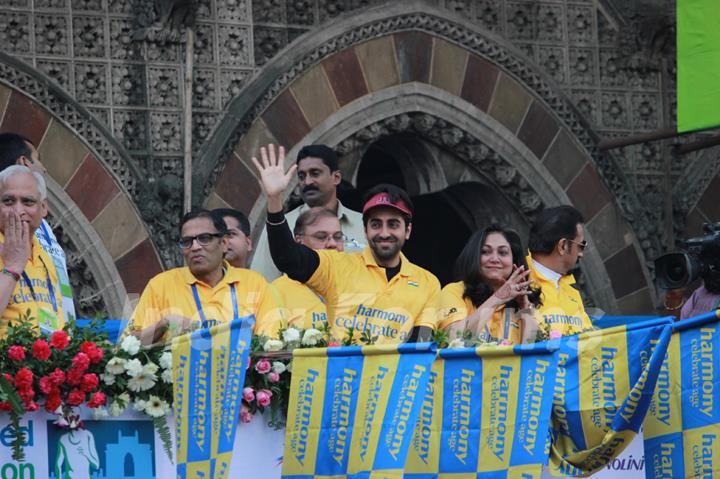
{"x": 76, "y": 367}
{"x": 141, "y": 377}
{"x": 57, "y": 373}
{"x": 267, "y": 382}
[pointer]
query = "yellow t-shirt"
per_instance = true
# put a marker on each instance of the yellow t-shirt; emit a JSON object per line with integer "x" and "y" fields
{"x": 453, "y": 308}
{"x": 562, "y": 307}
{"x": 35, "y": 296}
{"x": 170, "y": 293}
{"x": 301, "y": 307}
{"x": 358, "y": 294}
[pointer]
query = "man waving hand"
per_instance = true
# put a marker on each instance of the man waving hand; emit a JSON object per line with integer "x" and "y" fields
{"x": 377, "y": 291}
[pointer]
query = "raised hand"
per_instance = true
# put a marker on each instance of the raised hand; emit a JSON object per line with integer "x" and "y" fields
{"x": 516, "y": 286}
{"x": 17, "y": 248}
{"x": 274, "y": 180}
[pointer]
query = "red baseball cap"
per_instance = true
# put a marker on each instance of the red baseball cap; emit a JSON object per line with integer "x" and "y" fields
{"x": 383, "y": 199}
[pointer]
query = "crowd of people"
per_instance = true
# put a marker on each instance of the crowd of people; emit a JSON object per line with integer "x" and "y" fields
{"x": 318, "y": 266}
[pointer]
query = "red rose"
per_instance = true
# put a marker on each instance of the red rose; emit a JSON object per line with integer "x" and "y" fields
{"x": 93, "y": 352}
{"x": 89, "y": 382}
{"x": 74, "y": 376}
{"x": 31, "y": 406}
{"x": 16, "y": 353}
{"x": 5, "y": 406}
{"x": 8, "y": 378}
{"x": 81, "y": 361}
{"x": 26, "y": 394}
{"x": 41, "y": 350}
{"x": 57, "y": 377}
{"x": 46, "y": 384}
{"x": 24, "y": 379}
{"x": 76, "y": 397}
{"x": 59, "y": 340}
{"x": 97, "y": 400}
{"x": 53, "y": 402}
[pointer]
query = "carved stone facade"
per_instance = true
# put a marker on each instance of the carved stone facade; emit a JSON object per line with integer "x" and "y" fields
{"x": 117, "y": 80}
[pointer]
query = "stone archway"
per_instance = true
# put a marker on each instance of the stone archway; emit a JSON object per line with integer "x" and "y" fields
{"x": 110, "y": 253}
{"x": 413, "y": 59}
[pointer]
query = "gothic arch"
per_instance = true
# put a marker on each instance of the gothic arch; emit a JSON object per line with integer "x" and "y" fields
{"x": 412, "y": 58}
{"x": 91, "y": 184}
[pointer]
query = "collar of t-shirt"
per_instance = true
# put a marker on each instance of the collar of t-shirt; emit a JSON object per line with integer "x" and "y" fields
{"x": 390, "y": 273}
{"x": 547, "y": 273}
{"x": 340, "y": 210}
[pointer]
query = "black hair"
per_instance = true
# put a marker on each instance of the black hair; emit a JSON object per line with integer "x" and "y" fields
{"x": 12, "y": 147}
{"x": 395, "y": 193}
{"x": 467, "y": 266}
{"x": 552, "y": 225}
{"x": 217, "y": 220}
{"x": 243, "y": 222}
{"x": 324, "y": 152}
{"x": 309, "y": 217}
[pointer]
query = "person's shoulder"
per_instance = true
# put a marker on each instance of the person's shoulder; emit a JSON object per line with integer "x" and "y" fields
{"x": 424, "y": 274}
{"x": 457, "y": 288}
{"x": 246, "y": 275}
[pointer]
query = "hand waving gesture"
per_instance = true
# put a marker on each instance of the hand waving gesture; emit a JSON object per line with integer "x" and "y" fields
{"x": 273, "y": 177}
{"x": 515, "y": 287}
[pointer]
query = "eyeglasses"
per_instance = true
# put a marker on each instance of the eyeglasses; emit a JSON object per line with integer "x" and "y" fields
{"x": 581, "y": 244}
{"x": 323, "y": 237}
{"x": 203, "y": 239}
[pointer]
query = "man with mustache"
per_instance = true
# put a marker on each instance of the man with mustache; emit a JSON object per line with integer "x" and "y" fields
{"x": 377, "y": 291}
{"x": 206, "y": 292}
{"x": 318, "y": 175}
{"x": 556, "y": 244}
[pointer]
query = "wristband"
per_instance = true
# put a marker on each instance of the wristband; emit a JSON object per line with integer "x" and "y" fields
{"x": 12, "y": 274}
{"x": 276, "y": 224}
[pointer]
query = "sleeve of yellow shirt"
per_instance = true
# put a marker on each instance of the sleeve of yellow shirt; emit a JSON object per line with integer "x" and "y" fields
{"x": 149, "y": 309}
{"x": 429, "y": 314}
{"x": 452, "y": 305}
{"x": 324, "y": 277}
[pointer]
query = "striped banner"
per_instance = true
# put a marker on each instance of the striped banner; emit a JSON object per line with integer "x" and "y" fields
{"x": 208, "y": 375}
{"x": 487, "y": 412}
{"x": 683, "y": 422}
{"x": 605, "y": 381}
{"x": 352, "y": 410}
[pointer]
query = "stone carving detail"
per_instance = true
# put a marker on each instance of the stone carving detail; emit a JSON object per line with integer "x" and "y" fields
{"x": 89, "y": 303}
{"x": 91, "y": 78}
{"x": 463, "y": 144}
{"x": 162, "y": 205}
{"x": 89, "y": 37}
{"x": 51, "y": 35}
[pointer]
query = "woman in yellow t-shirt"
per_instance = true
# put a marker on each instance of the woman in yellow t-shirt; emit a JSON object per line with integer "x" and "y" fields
{"x": 493, "y": 299}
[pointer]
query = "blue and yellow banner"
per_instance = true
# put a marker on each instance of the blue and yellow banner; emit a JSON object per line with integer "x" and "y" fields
{"x": 208, "y": 375}
{"x": 353, "y": 410}
{"x": 605, "y": 381}
{"x": 485, "y": 414}
{"x": 682, "y": 427}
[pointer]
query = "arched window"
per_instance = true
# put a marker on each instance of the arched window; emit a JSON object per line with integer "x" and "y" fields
{"x": 128, "y": 466}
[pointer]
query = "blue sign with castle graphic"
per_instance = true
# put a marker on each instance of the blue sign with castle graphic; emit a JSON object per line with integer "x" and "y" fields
{"x": 103, "y": 450}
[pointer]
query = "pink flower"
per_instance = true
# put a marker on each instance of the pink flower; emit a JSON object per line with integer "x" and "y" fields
{"x": 16, "y": 353}
{"x": 263, "y": 366}
{"x": 555, "y": 334}
{"x": 245, "y": 415}
{"x": 273, "y": 377}
{"x": 46, "y": 384}
{"x": 31, "y": 406}
{"x": 249, "y": 394}
{"x": 41, "y": 350}
{"x": 81, "y": 361}
{"x": 263, "y": 397}
{"x": 505, "y": 342}
{"x": 59, "y": 339}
